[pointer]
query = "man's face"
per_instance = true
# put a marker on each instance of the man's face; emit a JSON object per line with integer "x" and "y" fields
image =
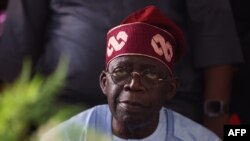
{"x": 134, "y": 90}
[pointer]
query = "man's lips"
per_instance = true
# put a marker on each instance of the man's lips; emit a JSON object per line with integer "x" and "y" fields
{"x": 132, "y": 106}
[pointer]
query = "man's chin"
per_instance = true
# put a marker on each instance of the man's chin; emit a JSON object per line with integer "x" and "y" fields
{"x": 134, "y": 122}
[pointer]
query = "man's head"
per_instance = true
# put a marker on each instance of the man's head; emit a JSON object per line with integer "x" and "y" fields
{"x": 139, "y": 67}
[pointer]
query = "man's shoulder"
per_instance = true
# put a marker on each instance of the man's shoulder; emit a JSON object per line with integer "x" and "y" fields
{"x": 77, "y": 125}
{"x": 186, "y": 129}
{"x": 88, "y": 115}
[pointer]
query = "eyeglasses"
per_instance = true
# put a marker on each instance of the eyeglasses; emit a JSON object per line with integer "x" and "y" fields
{"x": 148, "y": 77}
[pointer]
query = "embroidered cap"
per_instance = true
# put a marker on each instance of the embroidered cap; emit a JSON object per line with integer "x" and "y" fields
{"x": 148, "y": 33}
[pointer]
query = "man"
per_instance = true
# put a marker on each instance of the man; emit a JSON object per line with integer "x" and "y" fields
{"x": 137, "y": 81}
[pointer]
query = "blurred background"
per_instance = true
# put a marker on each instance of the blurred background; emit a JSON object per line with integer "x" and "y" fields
{"x": 38, "y": 92}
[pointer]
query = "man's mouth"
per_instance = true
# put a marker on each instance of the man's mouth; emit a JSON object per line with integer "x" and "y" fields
{"x": 132, "y": 106}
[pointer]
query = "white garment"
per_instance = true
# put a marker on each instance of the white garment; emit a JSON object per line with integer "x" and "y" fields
{"x": 99, "y": 119}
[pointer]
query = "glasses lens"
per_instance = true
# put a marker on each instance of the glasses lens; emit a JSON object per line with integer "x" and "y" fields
{"x": 121, "y": 76}
{"x": 149, "y": 79}
{"x": 120, "y": 80}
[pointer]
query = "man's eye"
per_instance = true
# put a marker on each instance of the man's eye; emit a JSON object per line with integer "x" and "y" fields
{"x": 151, "y": 75}
{"x": 120, "y": 72}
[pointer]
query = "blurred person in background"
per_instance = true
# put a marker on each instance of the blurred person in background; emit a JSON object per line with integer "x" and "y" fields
{"x": 240, "y": 94}
{"x": 3, "y": 6}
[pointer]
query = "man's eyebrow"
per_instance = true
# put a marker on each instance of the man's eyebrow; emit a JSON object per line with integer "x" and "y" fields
{"x": 120, "y": 64}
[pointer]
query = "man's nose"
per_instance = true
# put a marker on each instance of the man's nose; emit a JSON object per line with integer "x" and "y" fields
{"x": 135, "y": 83}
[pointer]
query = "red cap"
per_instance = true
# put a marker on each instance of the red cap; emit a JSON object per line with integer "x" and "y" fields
{"x": 149, "y": 33}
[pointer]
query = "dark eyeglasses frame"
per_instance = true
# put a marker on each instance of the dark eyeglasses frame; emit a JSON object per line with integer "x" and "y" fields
{"x": 140, "y": 76}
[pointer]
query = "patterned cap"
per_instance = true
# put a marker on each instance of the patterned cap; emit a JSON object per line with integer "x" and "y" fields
{"x": 148, "y": 33}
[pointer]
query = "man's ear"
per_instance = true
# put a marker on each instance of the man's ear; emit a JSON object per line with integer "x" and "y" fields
{"x": 103, "y": 82}
{"x": 173, "y": 85}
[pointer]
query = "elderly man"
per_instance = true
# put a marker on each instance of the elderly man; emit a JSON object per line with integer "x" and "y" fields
{"x": 137, "y": 81}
